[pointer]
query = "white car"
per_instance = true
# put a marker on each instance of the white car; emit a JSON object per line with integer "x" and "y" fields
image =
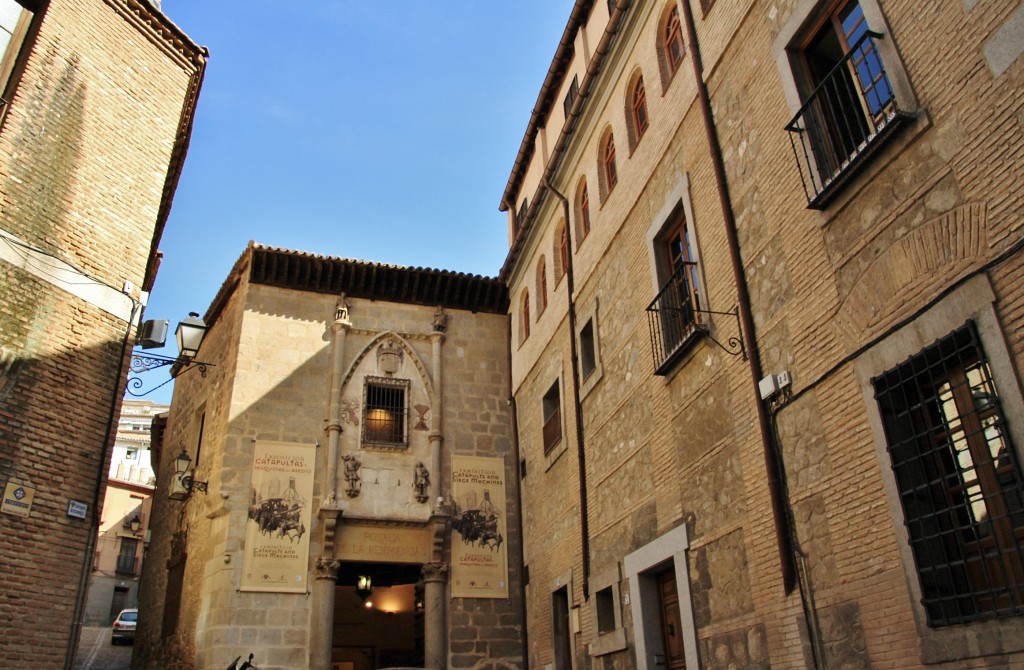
{"x": 124, "y": 626}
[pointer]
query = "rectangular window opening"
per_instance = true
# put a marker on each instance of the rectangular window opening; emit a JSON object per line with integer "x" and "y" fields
{"x": 588, "y": 354}
{"x": 552, "y": 418}
{"x": 849, "y": 104}
{"x": 385, "y": 411}
{"x": 959, "y": 480}
{"x": 605, "y": 600}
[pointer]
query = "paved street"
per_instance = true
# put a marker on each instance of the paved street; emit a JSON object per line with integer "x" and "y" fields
{"x": 96, "y": 653}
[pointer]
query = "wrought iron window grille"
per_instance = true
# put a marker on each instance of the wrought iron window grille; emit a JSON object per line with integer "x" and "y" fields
{"x": 959, "y": 480}
{"x": 386, "y": 412}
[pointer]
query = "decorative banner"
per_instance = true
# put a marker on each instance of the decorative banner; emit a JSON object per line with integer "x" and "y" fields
{"x": 479, "y": 554}
{"x": 277, "y": 531}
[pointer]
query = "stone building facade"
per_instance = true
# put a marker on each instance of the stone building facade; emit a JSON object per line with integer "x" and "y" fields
{"x": 348, "y": 407}
{"x": 765, "y": 282}
{"x": 98, "y": 98}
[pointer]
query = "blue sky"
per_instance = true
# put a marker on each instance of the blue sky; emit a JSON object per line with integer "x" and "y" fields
{"x": 370, "y": 130}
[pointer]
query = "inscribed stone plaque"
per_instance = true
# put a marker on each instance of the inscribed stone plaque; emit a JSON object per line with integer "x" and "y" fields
{"x": 479, "y": 554}
{"x": 276, "y": 532}
{"x": 385, "y": 545}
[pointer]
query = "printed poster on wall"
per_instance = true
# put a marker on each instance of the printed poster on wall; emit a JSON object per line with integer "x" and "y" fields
{"x": 277, "y": 530}
{"x": 479, "y": 554}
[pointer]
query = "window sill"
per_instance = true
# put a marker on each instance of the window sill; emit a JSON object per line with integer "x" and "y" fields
{"x": 608, "y": 643}
{"x": 552, "y": 456}
{"x": 385, "y": 446}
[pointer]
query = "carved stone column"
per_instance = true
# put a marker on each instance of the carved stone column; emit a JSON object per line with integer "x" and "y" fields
{"x": 339, "y": 329}
{"x": 435, "y": 619}
{"x": 321, "y": 625}
{"x": 436, "y": 437}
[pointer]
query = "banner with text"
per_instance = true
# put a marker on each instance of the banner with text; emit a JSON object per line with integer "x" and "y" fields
{"x": 479, "y": 554}
{"x": 277, "y": 531}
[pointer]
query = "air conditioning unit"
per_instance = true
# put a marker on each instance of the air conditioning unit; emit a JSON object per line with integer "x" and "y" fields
{"x": 153, "y": 333}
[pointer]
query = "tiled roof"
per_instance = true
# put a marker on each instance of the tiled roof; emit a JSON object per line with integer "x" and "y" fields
{"x": 303, "y": 271}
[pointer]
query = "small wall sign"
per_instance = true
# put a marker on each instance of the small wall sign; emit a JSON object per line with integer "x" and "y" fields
{"x": 77, "y": 509}
{"x": 17, "y": 499}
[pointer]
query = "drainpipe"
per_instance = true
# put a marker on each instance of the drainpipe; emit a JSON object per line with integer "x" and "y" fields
{"x": 519, "y": 498}
{"x": 577, "y": 405}
{"x": 773, "y": 464}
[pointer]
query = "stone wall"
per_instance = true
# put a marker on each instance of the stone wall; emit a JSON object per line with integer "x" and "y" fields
{"x": 272, "y": 381}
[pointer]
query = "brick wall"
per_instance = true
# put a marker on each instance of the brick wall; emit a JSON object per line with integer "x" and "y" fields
{"x": 84, "y": 151}
{"x": 932, "y": 209}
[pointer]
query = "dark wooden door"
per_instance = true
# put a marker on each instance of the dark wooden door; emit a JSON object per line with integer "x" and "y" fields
{"x": 671, "y": 622}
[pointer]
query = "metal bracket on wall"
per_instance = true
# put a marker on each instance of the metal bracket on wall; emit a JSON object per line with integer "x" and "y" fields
{"x": 141, "y": 363}
{"x": 735, "y": 344}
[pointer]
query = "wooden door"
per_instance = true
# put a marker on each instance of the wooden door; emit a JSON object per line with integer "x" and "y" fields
{"x": 671, "y": 621}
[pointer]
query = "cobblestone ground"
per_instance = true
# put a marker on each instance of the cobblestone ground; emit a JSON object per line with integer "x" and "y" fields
{"x": 96, "y": 653}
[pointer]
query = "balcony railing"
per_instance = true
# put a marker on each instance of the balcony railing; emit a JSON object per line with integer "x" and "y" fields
{"x": 125, "y": 565}
{"x": 673, "y": 318}
{"x": 844, "y": 121}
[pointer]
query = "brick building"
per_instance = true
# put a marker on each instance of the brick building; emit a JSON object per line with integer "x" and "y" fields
{"x": 349, "y": 499}
{"x": 813, "y": 202}
{"x": 98, "y": 98}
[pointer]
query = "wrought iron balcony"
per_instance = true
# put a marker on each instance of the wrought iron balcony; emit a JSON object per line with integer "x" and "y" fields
{"x": 674, "y": 318}
{"x": 125, "y": 565}
{"x": 847, "y": 117}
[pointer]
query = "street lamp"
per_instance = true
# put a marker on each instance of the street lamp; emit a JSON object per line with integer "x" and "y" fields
{"x": 183, "y": 482}
{"x": 364, "y": 587}
{"x": 189, "y": 336}
{"x": 135, "y": 524}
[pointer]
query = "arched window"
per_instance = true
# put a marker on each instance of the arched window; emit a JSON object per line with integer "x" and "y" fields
{"x": 560, "y": 251}
{"x": 611, "y": 175}
{"x": 672, "y": 47}
{"x": 542, "y": 285}
{"x": 582, "y": 212}
{"x": 638, "y": 100}
{"x": 524, "y": 317}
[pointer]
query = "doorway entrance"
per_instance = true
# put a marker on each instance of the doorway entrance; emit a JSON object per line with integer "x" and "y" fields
{"x": 378, "y": 616}
{"x": 671, "y": 621}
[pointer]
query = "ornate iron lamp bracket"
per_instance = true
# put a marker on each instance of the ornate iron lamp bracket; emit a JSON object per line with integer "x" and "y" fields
{"x": 141, "y": 363}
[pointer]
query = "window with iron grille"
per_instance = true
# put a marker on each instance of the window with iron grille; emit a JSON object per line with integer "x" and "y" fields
{"x": 959, "y": 480}
{"x": 552, "y": 408}
{"x": 385, "y": 412}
